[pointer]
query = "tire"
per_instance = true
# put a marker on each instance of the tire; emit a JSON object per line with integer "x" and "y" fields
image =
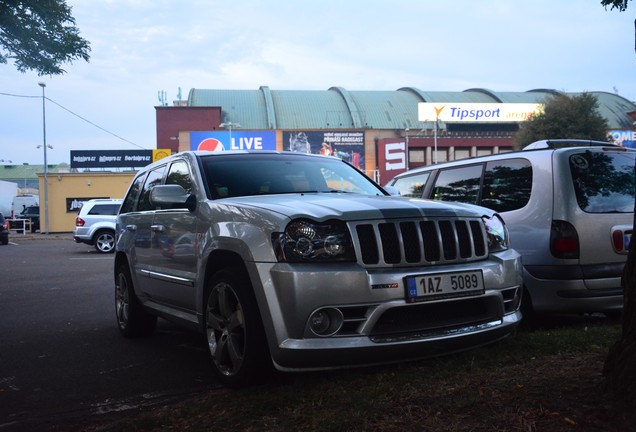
{"x": 234, "y": 329}
{"x": 132, "y": 319}
{"x": 104, "y": 241}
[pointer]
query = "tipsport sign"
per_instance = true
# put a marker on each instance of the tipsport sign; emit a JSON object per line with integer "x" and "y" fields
{"x": 235, "y": 140}
{"x": 477, "y": 112}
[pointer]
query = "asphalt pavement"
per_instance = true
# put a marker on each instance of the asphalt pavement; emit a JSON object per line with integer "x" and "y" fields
{"x": 62, "y": 359}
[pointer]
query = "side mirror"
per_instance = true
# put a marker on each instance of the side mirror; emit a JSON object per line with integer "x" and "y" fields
{"x": 172, "y": 196}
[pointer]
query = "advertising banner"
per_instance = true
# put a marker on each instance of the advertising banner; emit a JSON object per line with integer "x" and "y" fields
{"x": 476, "y": 112}
{"x": 346, "y": 145}
{"x": 235, "y": 140}
{"x": 110, "y": 158}
{"x": 391, "y": 159}
{"x": 626, "y": 138}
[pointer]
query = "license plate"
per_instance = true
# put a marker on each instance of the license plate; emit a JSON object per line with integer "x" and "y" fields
{"x": 444, "y": 285}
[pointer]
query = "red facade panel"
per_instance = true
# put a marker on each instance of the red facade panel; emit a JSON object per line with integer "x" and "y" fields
{"x": 172, "y": 120}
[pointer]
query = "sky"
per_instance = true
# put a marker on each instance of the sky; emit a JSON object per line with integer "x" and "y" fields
{"x": 140, "y": 48}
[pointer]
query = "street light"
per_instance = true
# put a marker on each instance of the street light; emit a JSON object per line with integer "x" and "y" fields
{"x": 230, "y": 125}
{"x": 407, "y": 148}
{"x": 46, "y": 167}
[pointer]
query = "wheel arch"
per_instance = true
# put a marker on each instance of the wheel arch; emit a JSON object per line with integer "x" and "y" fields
{"x": 120, "y": 258}
{"x": 218, "y": 260}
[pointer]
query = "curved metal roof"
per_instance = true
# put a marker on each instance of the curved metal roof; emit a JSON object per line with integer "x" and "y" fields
{"x": 338, "y": 108}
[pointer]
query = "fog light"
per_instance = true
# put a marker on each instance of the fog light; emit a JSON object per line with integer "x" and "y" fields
{"x": 320, "y": 322}
{"x": 325, "y": 322}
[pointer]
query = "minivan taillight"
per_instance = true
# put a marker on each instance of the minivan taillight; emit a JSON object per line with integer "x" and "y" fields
{"x": 564, "y": 240}
{"x": 79, "y": 221}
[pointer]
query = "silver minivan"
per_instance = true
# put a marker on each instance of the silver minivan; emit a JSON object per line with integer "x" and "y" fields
{"x": 569, "y": 207}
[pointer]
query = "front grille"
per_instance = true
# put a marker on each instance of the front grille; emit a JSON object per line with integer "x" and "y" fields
{"x": 419, "y": 242}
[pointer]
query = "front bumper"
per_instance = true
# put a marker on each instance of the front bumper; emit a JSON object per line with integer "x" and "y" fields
{"x": 378, "y": 324}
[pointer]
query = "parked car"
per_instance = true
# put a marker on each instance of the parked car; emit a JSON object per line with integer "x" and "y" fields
{"x": 95, "y": 224}
{"x": 569, "y": 206}
{"x": 32, "y": 214}
{"x": 4, "y": 230}
{"x": 303, "y": 262}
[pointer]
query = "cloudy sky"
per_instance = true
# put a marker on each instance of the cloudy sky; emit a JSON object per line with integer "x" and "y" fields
{"x": 142, "y": 47}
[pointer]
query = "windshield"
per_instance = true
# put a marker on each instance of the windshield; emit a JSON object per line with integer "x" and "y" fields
{"x": 264, "y": 174}
{"x": 604, "y": 181}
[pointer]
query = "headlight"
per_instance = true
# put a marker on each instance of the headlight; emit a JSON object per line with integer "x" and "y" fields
{"x": 497, "y": 233}
{"x": 308, "y": 241}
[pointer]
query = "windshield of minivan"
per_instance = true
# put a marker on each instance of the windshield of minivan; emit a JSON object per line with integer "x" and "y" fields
{"x": 604, "y": 181}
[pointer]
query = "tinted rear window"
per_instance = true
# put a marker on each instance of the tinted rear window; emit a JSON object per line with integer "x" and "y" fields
{"x": 604, "y": 181}
{"x": 104, "y": 209}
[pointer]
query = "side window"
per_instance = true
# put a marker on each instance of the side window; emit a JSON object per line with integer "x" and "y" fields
{"x": 507, "y": 184}
{"x": 153, "y": 179}
{"x": 133, "y": 193}
{"x": 460, "y": 184}
{"x": 412, "y": 186}
{"x": 180, "y": 175}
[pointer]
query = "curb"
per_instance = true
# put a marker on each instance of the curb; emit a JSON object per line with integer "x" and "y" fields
{"x": 39, "y": 236}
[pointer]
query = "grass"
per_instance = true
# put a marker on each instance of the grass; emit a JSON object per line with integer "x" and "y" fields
{"x": 544, "y": 380}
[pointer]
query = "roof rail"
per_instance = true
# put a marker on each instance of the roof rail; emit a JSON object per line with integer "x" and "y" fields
{"x": 563, "y": 143}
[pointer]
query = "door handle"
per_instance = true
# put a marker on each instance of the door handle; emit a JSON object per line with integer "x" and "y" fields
{"x": 157, "y": 228}
{"x": 131, "y": 228}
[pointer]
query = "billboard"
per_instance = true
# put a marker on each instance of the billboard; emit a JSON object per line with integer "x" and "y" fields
{"x": 347, "y": 145}
{"x": 235, "y": 140}
{"x": 476, "y": 112}
{"x": 115, "y": 158}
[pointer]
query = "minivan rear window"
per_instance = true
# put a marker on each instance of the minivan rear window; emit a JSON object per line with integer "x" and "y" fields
{"x": 604, "y": 181}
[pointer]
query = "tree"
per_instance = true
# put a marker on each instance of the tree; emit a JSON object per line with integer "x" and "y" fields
{"x": 565, "y": 117}
{"x": 40, "y": 35}
{"x": 619, "y": 370}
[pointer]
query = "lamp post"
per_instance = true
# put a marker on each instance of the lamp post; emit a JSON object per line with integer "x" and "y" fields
{"x": 407, "y": 148}
{"x": 230, "y": 125}
{"x": 46, "y": 167}
{"x": 435, "y": 140}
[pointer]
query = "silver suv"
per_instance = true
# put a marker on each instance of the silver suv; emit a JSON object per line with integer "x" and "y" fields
{"x": 301, "y": 261}
{"x": 95, "y": 224}
{"x": 569, "y": 206}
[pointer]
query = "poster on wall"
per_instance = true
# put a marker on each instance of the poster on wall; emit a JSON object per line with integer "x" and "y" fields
{"x": 74, "y": 205}
{"x": 235, "y": 140}
{"x": 346, "y": 145}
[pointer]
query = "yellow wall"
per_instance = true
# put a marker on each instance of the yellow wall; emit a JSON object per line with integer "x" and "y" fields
{"x": 77, "y": 185}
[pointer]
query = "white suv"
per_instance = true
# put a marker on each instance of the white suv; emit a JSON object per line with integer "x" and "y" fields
{"x": 569, "y": 206}
{"x": 95, "y": 224}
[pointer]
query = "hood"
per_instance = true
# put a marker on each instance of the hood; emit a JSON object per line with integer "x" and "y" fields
{"x": 350, "y": 207}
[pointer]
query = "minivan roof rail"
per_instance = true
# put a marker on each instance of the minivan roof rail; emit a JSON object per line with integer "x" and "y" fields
{"x": 563, "y": 143}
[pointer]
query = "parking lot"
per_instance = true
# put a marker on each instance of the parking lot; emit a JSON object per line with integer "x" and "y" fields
{"x": 61, "y": 355}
